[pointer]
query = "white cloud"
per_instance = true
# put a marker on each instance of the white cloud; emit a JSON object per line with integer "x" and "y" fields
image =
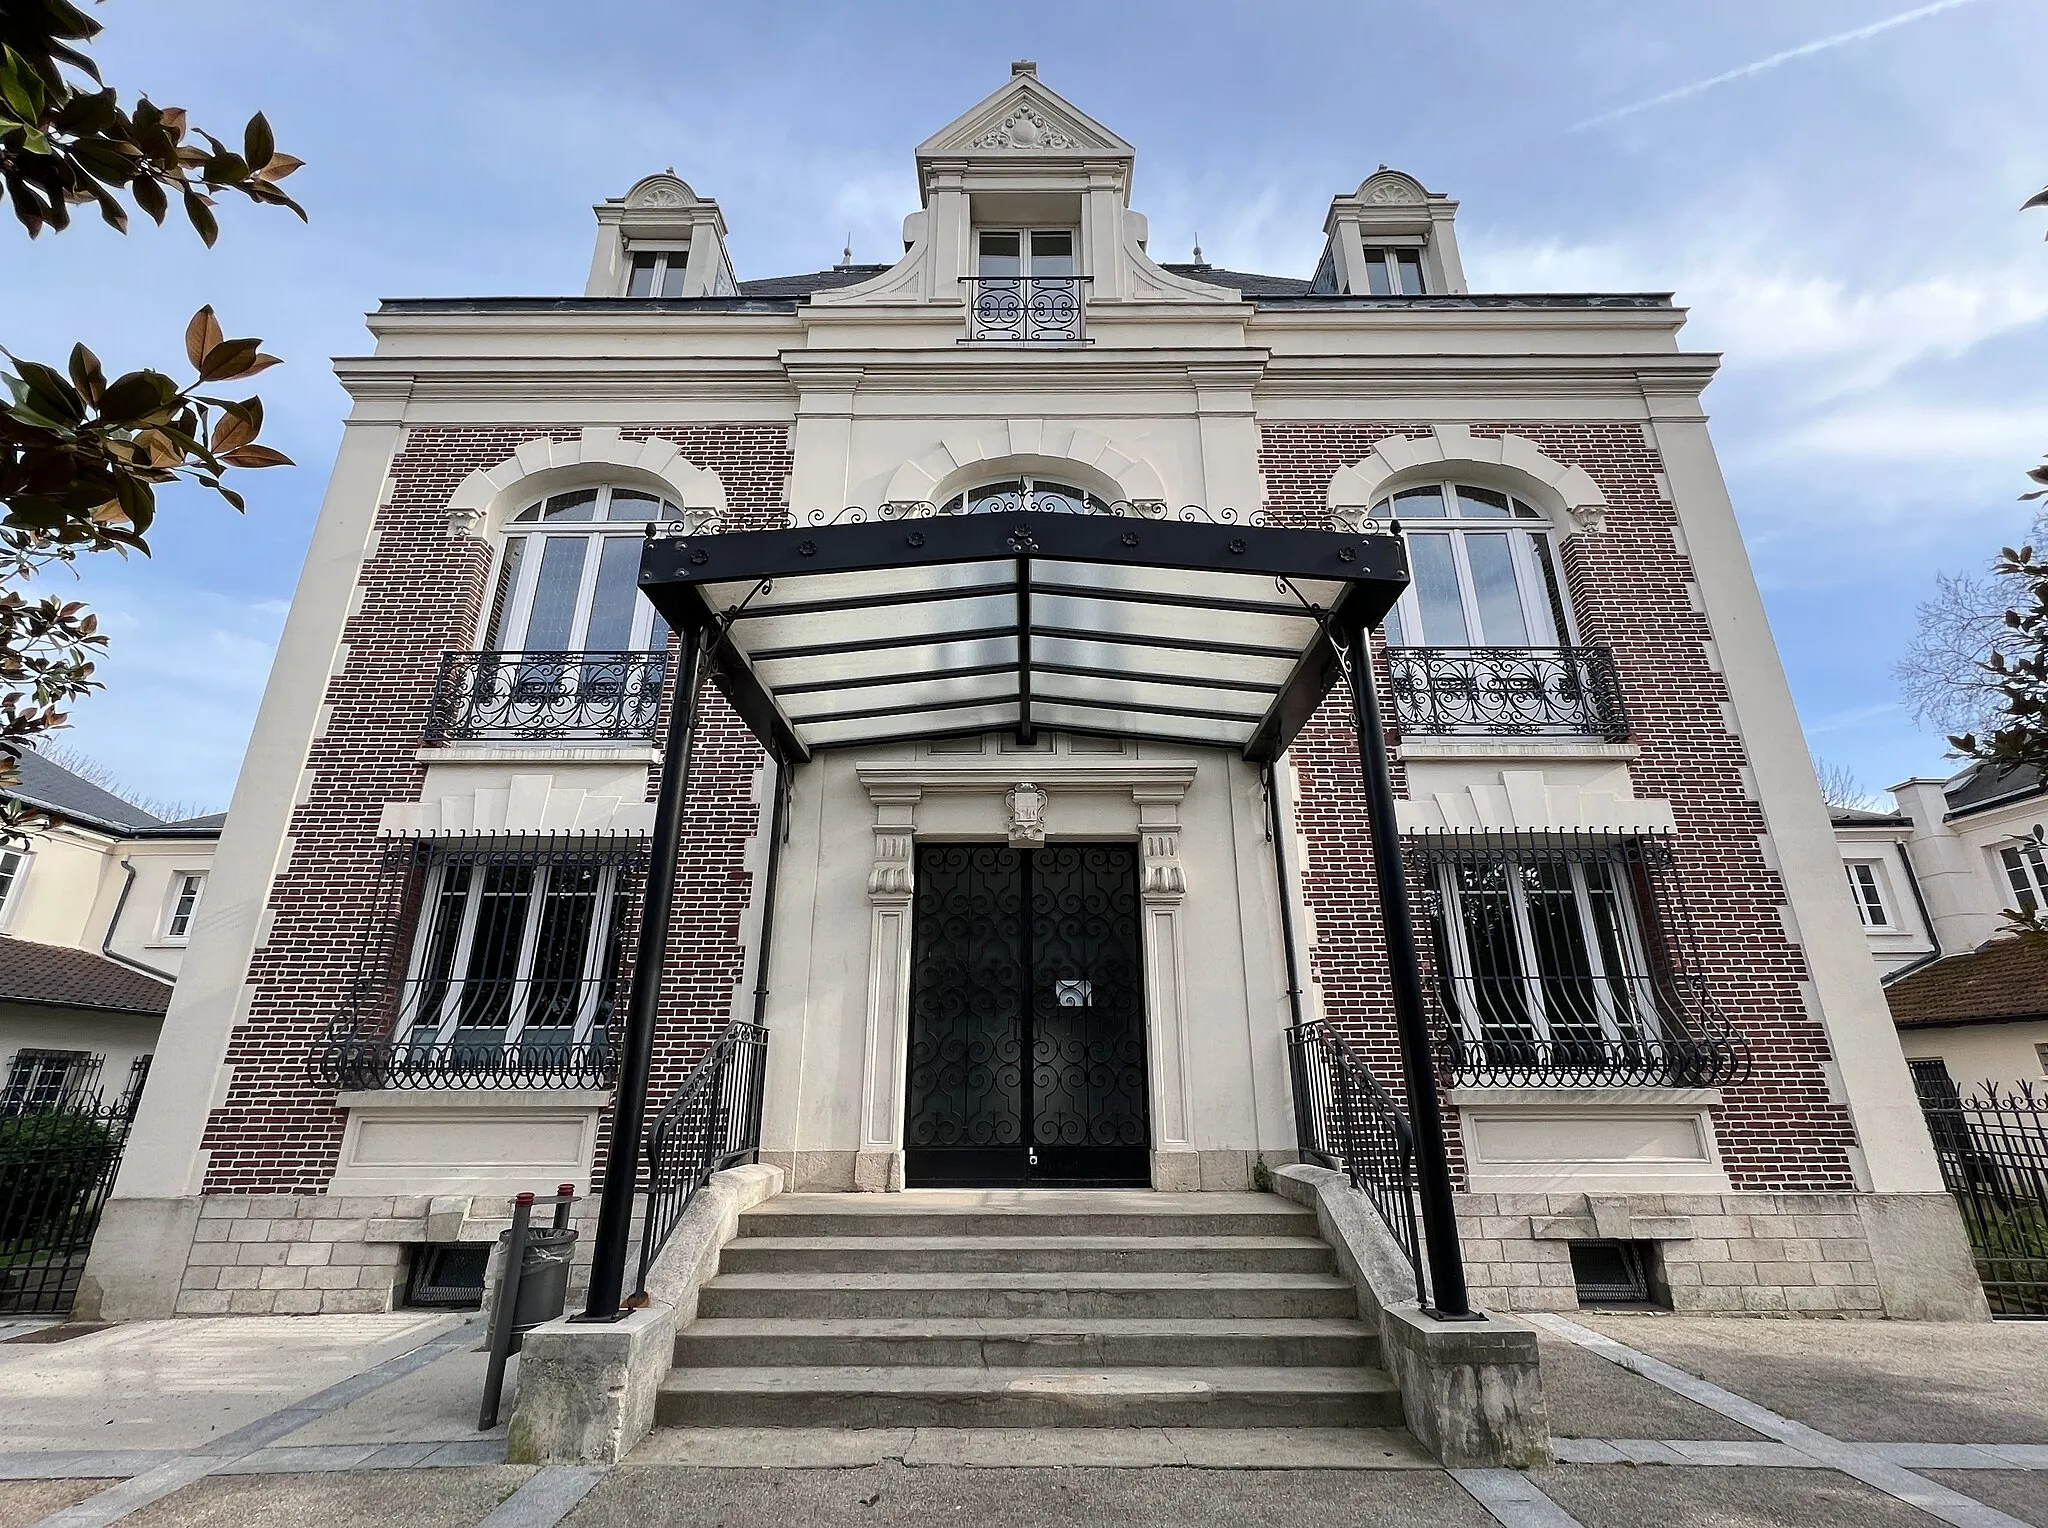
{"x": 1908, "y": 431}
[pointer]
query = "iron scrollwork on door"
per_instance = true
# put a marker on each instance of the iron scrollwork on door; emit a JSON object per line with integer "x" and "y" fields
{"x": 966, "y": 999}
{"x": 1087, "y": 1057}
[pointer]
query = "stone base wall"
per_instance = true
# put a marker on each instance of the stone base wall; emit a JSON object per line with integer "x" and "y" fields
{"x": 1718, "y": 1254}
{"x": 321, "y": 1254}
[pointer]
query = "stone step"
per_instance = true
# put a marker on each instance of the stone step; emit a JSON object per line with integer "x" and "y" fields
{"x": 1053, "y": 1213}
{"x": 758, "y": 1252}
{"x": 813, "y": 1396}
{"x": 1063, "y": 1342}
{"x": 851, "y": 1296}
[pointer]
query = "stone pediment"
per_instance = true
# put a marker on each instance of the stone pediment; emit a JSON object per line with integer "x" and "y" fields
{"x": 1024, "y": 120}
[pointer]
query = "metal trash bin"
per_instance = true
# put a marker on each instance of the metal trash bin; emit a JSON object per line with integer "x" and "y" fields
{"x": 543, "y": 1278}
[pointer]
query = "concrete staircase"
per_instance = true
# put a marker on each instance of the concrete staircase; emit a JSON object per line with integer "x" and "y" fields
{"x": 959, "y": 1308}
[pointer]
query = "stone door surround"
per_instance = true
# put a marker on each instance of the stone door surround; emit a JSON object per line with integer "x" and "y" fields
{"x": 1026, "y": 789}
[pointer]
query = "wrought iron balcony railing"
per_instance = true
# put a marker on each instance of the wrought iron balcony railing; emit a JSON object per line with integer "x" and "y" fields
{"x": 1037, "y": 309}
{"x": 546, "y": 695}
{"x": 346, "y": 1062}
{"x": 1507, "y": 692}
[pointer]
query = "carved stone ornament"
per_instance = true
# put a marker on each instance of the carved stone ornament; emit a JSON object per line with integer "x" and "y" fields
{"x": 1165, "y": 880}
{"x": 467, "y": 520}
{"x": 659, "y": 196}
{"x": 1025, "y": 129}
{"x": 1026, "y": 805}
{"x": 1392, "y": 193}
{"x": 890, "y": 880}
{"x": 1588, "y": 519}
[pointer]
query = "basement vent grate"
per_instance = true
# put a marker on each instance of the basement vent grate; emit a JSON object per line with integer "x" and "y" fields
{"x": 448, "y": 1274}
{"x": 1610, "y": 1273}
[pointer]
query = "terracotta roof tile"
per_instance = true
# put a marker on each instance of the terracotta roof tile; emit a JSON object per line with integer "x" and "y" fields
{"x": 2005, "y": 979}
{"x": 68, "y": 978}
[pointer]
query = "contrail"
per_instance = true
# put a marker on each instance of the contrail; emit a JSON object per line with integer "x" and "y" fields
{"x": 1758, "y": 67}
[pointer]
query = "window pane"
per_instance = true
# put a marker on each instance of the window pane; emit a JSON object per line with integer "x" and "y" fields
{"x": 553, "y": 616}
{"x": 1392, "y": 627}
{"x": 437, "y": 953}
{"x": 1492, "y": 562}
{"x": 1558, "y": 936}
{"x": 1553, "y": 593}
{"x": 1377, "y": 282}
{"x": 1419, "y": 503}
{"x": 617, "y": 599}
{"x": 641, "y": 282}
{"x": 1052, "y": 252}
{"x": 1409, "y": 263}
{"x": 508, "y": 580}
{"x": 580, "y": 505}
{"x": 673, "y": 272}
{"x": 632, "y": 504}
{"x": 1058, "y": 498}
{"x": 2016, "y": 873}
{"x": 1436, "y": 591}
{"x": 1481, "y": 503}
{"x": 558, "y": 1002}
{"x": 1002, "y": 254}
{"x": 996, "y": 498}
{"x": 1632, "y": 1013}
{"x": 1494, "y": 1005}
{"x": 491, "y": 978}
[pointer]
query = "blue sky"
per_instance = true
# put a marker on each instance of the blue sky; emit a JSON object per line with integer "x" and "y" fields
{"x": 1842, "y": 224}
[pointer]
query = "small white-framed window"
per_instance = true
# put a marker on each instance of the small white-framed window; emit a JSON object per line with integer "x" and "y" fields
{"x": 1393, "y": 271}
{"x": 570, "y": 580}
{"x": 513, "y": 952}
{"x": 1482, "y": 571}
{"x": 1866, "y": 885}
{"x": 2026, "y": 874}
{"x": 657, "y": 272}
{"x": 1035, "y": 252}
{"x": 14, "y": 865}
{"x": 46, "y": 1079}
{"x": 186, "y": 889}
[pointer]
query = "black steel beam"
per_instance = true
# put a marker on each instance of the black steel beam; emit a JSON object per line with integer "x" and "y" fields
{"x": 636, "y": 1061}
{"x": 1448, "y": 1297}
{"x": 670, "y": 563}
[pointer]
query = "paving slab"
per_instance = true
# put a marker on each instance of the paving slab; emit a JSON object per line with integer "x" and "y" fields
{"x": 414, "y": 1498}
{"x": 1864, "y": 1381}
{"x": 1617, "y": 1496}
{"x": 895, "y": 1496}
{"x": 181, "y": 1384}
{"x": 798, "y": 1448}
{"x": 1588, "y": 1397}
{"x": 23, "y": 1502}
{"x": 2016, "y": 1493}
{"x": 435, "y": 1404}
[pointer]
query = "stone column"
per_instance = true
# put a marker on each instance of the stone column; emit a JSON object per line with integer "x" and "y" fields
{"x": 879, "y": 1165}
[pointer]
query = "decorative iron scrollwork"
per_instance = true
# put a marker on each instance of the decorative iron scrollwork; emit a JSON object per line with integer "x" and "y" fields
{"x": 1050, "y": 503}
{"x": 546, "y": 695}
{"x": 1044, "y": 310}
{"x": 1507, "y": 692}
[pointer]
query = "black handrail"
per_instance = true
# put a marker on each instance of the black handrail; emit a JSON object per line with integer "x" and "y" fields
{"x": 1344, "y": 1119}
{"x": 712, "y": 1121}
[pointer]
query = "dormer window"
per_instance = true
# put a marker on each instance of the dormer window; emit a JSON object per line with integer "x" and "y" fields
{"x": 1025, "y": 286}
{"x": 1393, "y": 271}
{"x": 657, "y": 272}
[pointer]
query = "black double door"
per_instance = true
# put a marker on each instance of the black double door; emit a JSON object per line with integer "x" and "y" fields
{"x": 1027, "y": 1018}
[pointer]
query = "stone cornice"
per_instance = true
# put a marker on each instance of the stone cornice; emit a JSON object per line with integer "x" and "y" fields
{"x": 1163, "y": 779}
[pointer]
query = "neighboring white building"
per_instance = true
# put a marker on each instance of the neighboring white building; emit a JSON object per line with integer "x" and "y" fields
{"x": 1932, "y": 880}
{"x": 96, "y": 910}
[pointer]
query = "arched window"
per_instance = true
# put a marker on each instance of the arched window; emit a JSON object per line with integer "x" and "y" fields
{"x": 1482, "y": 571}
{"x": 570, "y": 580}
{"x": 1042, "y": 494}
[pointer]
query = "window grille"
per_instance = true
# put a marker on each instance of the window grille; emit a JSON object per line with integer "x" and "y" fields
{"x": 491, "y": 963}
{"x": 1568, "y": 959}
{"x": 38, "y": 1080}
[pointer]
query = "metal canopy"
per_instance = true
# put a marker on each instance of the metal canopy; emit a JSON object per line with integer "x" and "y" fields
{"x": 1179, "y": 630}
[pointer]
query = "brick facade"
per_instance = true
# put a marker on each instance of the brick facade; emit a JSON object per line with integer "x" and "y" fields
{"x": 1781, "y": 1129}
{"x": 422, "y": 594}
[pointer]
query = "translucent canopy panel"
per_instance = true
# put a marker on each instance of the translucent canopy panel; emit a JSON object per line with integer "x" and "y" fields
{"x": 1182, "y": 631}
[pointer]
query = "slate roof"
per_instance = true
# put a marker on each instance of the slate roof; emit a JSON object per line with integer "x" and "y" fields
{"x": 2006, "y": 979}
{"x": 54, "y": 788}
{"x": 816, "y": 281}
{"x": 1859, "y": 817}
{"x": 1243, "y": 281}
{"x": 208, "y": 826}
{"x": 59, "y": 976}
{"x": 1982, "y": 786}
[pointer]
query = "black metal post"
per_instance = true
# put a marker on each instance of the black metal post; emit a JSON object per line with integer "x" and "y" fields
{"x": 1411, "y": 1019}
{"x": 1276, "y": 827}
{"x": 503, "y": 1313}
{"x": 621, "y": 1163}
{"x": 777, "y": 826}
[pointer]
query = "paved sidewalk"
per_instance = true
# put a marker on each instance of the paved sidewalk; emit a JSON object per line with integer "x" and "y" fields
{"x": 307, "y": 1422}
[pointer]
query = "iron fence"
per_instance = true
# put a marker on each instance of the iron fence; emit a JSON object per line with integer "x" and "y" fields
{"x": 57, "y": 1166}
{"x": 1993, "y": 1151}
{"x": 1507, "y": 692}
{"x": 1344, "y": 1119}
{"x": 1037, "y": 309}
{"x": 546, "y": 695}
{"x": 712, "y": 1121}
